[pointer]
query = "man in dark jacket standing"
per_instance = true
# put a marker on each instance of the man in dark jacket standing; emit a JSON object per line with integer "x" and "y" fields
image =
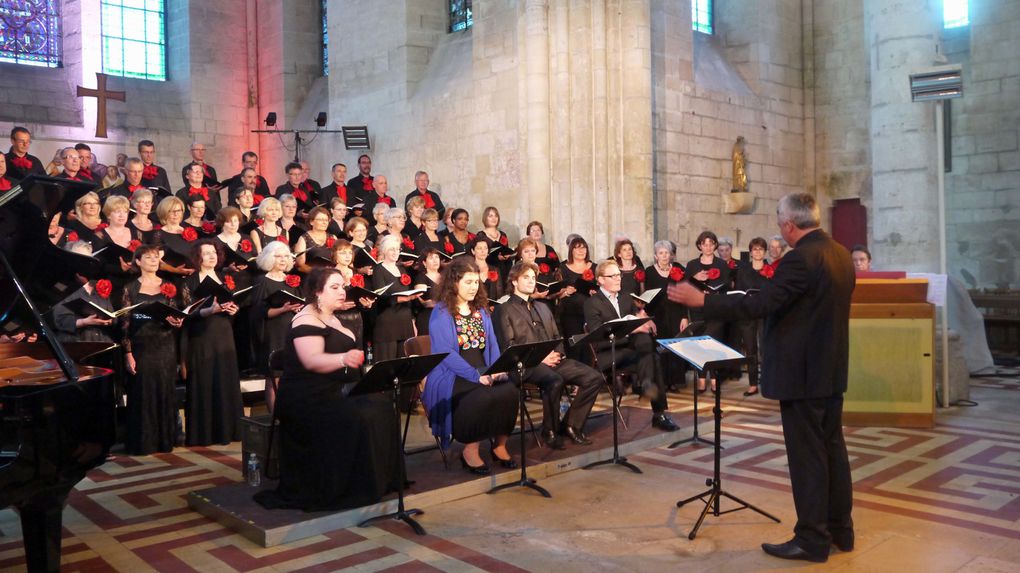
{"x": 806, "y": 307}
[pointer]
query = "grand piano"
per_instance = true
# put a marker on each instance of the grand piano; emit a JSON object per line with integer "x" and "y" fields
{"x": 56, "y": 415}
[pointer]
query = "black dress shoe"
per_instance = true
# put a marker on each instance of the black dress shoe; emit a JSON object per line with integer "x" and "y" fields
{"x": 791, "y": 550}
{"x": 552, "y": 439}
{"x": 576, "y": 436}
{"x": 664, "y": 422}
{"x": 482, "y": 470}
{"x": 508, "y": 463}
{"x": 844, "y": 541}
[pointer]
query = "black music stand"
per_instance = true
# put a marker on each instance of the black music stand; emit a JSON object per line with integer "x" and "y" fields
{"x": 391, "y": 376}
{"x": 610, "y": 331}
{"x": 517, "y": 358}
{"x": 695, "y": 439}
{"x": 712, "y": 496}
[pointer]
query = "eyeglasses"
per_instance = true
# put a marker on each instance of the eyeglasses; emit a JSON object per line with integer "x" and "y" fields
{"x": 616, "y": 276}
{"x": 90, "y": 204}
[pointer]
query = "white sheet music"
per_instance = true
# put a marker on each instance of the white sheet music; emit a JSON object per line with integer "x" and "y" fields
{"x": 700, "y": 350}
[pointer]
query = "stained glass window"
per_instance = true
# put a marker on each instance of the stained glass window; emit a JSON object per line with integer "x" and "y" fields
{"x": 460, "y": 15}
{"x": 325, "y": 40}
{"x": 30, "y": 32}
{"x": 955, "y": 13}
{"x": 701, "y": 15}
{"x": 134, "y": 38}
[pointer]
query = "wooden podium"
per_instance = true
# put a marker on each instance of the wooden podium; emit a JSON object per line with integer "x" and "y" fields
{"x": 892, "y": 345}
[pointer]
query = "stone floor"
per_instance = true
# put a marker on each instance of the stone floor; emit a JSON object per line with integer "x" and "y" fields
{"x": 944, "y": 499}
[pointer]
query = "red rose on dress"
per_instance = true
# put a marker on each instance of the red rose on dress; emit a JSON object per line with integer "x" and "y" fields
{"x": 330, "y": 241}
{"x": 551, "y": 255}
{"x": 101, "y": 226}
{"x": 713, "y": 274}
{"x": 430, "y": 203}
{"x": 358, "y": 281}
{"x": 189, "y": 234}
{"x": 767, "y": 271}
{"x": 245, "y": 246}
{"x": 71, "y": 236}
{"x": 293, "y": 281}
{"x": 676, "y": 274}
{"x": 375, "y": 253}
{"x": 732, "y": 264}
{"x": 256, "y": 199}
{"x": 471, "y": 236}
{"x": 543, "y": 268}
{"x": 104, "y": 288}
{"x": 405, "y": 279}
{"x": 134, "y": 244}
{"x": 503, "y": 240}
{"x": 588, "y": 275}
{"x": 228, "y": 281}
{"x": 367, "y": 184}
{"x": 168, "y": 290}
{"x": 259, "y": 221}
{"x": 408, "y": 243}
{"x": 282, "y": 239}
{"x": 448, "y": 247}
{"x": 639, "y": 276}
{"x": 157, "y": 227}
{"x": 493, "y": 276}
{"x": 208, "y": 227}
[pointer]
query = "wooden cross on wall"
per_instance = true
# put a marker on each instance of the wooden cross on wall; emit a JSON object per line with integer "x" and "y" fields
{"x": 101, "y": 94}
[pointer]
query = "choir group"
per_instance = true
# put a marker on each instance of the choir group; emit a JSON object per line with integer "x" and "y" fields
{"x": 204, "y": 281}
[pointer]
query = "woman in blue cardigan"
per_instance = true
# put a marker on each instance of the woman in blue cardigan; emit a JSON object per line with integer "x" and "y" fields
{"x": 461, "y": 403}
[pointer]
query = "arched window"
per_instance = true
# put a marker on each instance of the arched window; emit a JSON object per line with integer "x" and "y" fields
{"x": 30, "y": 33}
{"x": 460, "y": 15}
{"x": 955, "y": 13}
{"x": 134, "y": 38}
{"x": 701, "y": 16}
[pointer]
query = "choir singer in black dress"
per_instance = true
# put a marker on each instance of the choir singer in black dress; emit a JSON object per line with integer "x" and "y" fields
{"x": 336, "y": 451}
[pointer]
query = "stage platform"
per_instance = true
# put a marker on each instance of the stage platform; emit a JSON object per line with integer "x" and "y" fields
{"x": 232, "y": 505}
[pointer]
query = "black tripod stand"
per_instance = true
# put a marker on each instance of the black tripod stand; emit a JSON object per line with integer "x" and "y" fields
{"x": 610, "y": 331}
{"x": 696, "y": 439}
{"x": 390, "y": 376}
{"x": 519, "y": 357}
{"x": 712, "y": 496}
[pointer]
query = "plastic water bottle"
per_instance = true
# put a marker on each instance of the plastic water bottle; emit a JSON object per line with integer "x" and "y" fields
{"x": 564, "y": 406}
{"x": 254, "y": 471}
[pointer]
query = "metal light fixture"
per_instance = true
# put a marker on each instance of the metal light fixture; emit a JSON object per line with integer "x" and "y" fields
{"x": 356, "y": 137}
{"x": 271, "y": 119}
{"x": 320, "y": 120}
{"x": 944, "y": 82}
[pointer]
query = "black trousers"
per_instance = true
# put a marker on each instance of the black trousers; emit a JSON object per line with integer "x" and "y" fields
{"x": 554, "y": 380}
{"x": 639, "y": 355}
{"x": 819, "y": 470}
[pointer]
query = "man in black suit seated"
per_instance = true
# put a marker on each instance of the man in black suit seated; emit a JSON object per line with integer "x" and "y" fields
{"x": 523, "y": 321}
{"x": 806, "y": 307}
{"x": 638, "y": 348}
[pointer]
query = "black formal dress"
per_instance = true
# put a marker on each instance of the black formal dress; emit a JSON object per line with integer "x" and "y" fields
{"x": 806, "y": 307}
{"x": 394, "y": 322}
{"x": 572, "y": 307}
{"x": 336, "y": 452}
{"x": 632, "y": 281}
{"x": 269, "y": 334}
{"x": 718, "y": 281}
{"x": 151, "y": 403}
{"x": 479, "y": 411}
{"x": 423, "y": 314}
{"x": 667, "y": 316}
{"x": 66, "y": 322}
{"x": 213, "y": 407}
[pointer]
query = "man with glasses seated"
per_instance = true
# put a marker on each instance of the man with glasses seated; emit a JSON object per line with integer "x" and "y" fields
{"x": 637, "y": 350}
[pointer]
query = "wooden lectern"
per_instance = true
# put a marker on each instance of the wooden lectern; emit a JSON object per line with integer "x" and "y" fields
{"x": 892, "y": 345}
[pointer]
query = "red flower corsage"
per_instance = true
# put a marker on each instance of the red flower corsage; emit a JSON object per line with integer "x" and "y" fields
{"x": 259, "y": 221}
{"x": 493, "y": 276}
{"x": 104, "y": 288}
{"x": 71, "y": 236}
{"x": 134, "y": 244}
{"x": 713, "y": 274}
{"x": 405, "y": 279}
{"x": 245, "y": 246}
{"x": 330, "y": 241}
{"x": 676, "y": 274}
{"x": 503, "y": 240}
{"x": 228, "y": 281}
{"x": 543, "y": 268}
{"x": 256, "y": 199}
{"x": 639, "y": 276}
{"x": 293, "y": 281}
{"x": 358, "y": 281}
{"x": 471, "y": 236}
{"x": 157, "y": 227}
{"x": 732, "y": 264}
{"x": 101, "y": 226}
{"x": 588, "y": 275}
{"x": 448, "y": 247}
{"x": 168, "y": 290}
{"x": 408, "y": 243}
{"x": 282, "y": 239}
{"x": 189, "y": 234}
{"x": 208, "y": 227}
{"x": 550, "y": 254}
{"x": 767, "y": 271}
{"x": 375, "y": 253}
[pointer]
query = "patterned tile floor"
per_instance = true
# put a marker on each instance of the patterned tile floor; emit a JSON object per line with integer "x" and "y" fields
{"x": 944, "y": 499}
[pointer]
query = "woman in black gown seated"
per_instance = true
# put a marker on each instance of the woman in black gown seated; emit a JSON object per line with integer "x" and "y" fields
{"x": 462, "y": 403}
{"x": 336, "y": 451}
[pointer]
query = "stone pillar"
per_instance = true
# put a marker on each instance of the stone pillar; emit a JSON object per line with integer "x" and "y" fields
{"x": 902, "y": 38}
{"x": 536, "y": 70}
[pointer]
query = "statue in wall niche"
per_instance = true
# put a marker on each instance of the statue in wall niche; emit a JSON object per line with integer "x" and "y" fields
{"x": 739, "y": 166}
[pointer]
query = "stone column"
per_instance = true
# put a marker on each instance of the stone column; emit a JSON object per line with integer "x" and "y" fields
{"x": 902, "y": 37}
{"x": 536, "y": 69}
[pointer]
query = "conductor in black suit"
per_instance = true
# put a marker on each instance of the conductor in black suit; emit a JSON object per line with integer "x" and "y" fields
{"x": 521, "y": 320}
{"x": 806, "y": 307}
{"x": 638, "y": 348}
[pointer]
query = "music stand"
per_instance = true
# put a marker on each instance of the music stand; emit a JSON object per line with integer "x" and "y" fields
{"x": 695, "y": 439}
{"x": 611, "y": 330}
{"x": 517, "y": 358}
{"x": 700, "y": 359}
{"x": 390, "y": 376}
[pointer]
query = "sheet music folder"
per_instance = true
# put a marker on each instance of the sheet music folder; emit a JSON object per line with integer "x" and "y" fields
{"x": 701, "y": 351}
{"x": 408, "y": 370}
